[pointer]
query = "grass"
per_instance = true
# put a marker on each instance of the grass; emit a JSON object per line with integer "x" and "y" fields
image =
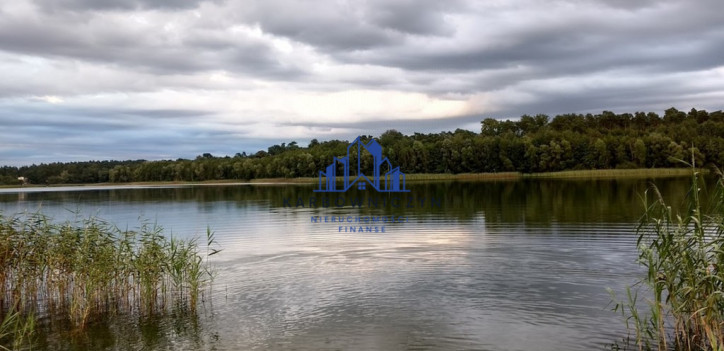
{"x": 87, "y": 269}
{"x": 684, "y": 257}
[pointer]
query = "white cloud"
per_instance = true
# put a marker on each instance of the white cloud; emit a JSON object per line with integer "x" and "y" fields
{"x": 51, "y": 99}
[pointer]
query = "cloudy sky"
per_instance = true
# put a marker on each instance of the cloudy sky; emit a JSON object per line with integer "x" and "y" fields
{"x": 159, "y": 79}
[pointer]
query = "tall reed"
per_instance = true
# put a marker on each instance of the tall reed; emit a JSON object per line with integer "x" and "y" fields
{"x": 86, "y": 269}
{"x": 684, "y": 257}
{"x": 16, "y": 330}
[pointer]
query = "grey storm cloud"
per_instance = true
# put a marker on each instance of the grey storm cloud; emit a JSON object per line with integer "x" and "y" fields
{"x": 175, "y": 78}
{"x": 89, "y": 5}
{"x": 75, "y": 36}
{"x": 339, "y": 26}
{"x": 681, "y": 36}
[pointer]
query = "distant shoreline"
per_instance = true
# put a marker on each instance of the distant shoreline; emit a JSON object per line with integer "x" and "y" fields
{"x": 505, "y": 176}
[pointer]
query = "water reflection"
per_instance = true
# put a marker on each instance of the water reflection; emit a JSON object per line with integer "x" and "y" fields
{"x": 178, "y": 329}
{"x": 539, "y": 201}
{"x": 513, "y": 265}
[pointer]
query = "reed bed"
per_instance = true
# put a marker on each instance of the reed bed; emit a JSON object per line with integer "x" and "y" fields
{"x": 88, "y": 269}
{"x": 684, "y": 257}
{"x": 463, "y": 176}
{"x": 413, "y": 177}
{"x": 583, "y": 174}
{"x": 617, "y": 173}
{"x": 16, "y": 330}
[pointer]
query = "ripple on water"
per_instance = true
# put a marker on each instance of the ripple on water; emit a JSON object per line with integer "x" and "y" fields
{"x": 462, "y": 278}
{"x": 452, "y": 285}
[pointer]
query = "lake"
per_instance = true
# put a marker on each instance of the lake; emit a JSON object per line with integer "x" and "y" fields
{"x": 509, "y": 265}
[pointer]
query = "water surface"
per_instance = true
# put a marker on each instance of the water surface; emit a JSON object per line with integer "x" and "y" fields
{"x": 514, "y": 265}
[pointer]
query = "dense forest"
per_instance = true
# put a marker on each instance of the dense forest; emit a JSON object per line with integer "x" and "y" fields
{"x": 530, "y": 144}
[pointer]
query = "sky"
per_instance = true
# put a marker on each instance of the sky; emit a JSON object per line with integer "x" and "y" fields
{"x": 163, "y": 79}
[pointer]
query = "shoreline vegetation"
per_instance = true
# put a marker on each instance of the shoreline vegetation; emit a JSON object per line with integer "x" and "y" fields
{"x": 529, "y": 145}
{"x": 75, "y": 273}
{"x": 684, "y": 285}
{"x": 501, "y": 176}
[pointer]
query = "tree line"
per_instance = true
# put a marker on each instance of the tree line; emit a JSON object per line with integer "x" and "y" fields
{"x": 529, "y": 144}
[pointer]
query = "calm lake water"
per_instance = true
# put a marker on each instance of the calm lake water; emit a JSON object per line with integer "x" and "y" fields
{"x": 515, "y": 265}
